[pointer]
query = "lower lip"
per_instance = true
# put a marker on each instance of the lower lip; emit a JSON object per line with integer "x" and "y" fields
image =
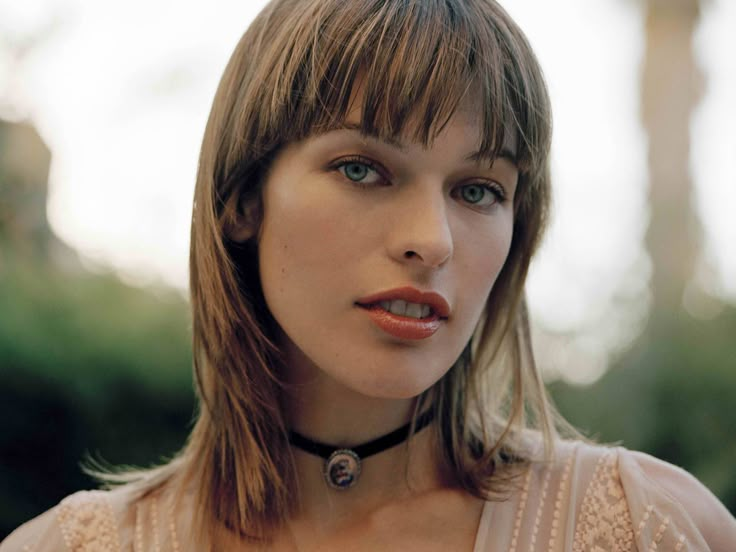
{"x": 403, "y": 327}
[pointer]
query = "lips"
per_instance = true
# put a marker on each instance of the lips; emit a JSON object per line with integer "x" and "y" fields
{"x": 406, "y": 327}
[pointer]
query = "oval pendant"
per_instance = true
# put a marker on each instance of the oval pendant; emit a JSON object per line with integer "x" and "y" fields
{"x": 342, "y": 469}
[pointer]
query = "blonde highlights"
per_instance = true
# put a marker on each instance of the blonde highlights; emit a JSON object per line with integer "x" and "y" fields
{"x": 294, "y": 73}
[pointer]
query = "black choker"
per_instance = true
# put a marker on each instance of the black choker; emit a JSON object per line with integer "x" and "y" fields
{"x": 342, "y": 466}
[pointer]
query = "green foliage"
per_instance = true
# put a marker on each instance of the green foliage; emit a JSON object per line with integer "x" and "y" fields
{"x": 85, "y": 328}
{"x": 673, "y": 395}
{"x": 88, "y": 366}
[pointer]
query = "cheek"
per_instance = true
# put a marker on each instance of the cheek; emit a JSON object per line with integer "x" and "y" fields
{"x": 288, "y": 239}
{"x": 307, "y": 238}
{"x": 481, "y": 259}
{"x": 484, "y": 252}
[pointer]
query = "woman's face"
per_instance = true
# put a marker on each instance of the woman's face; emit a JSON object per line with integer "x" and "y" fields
{"x": 348, "y": 218}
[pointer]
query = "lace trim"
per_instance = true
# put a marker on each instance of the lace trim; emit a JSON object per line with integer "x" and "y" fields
{"x": 540, "y": 509}
{"x": 604, "y": 522}
{"x": 520, "y": 511}
{"x": 151, "y": 522}
{"x": 562, "y": 489}
{"x": 665, "y": 529}
{"x": 87, "y": 523}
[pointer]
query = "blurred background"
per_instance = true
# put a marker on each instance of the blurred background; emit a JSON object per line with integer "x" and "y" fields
{"x": 103, "y": 105}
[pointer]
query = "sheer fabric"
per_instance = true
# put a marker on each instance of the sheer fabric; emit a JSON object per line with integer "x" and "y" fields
{"x": 592, "y": 498}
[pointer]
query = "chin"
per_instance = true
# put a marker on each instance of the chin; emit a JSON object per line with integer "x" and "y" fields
{"x": 397, "y": 394}
{"x": 396, "y": 386}
{"x": 393, "y": 373}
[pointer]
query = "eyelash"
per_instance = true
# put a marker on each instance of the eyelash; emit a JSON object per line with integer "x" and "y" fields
{"x": 359, "y": 160}
{"x": 494, "y": 188}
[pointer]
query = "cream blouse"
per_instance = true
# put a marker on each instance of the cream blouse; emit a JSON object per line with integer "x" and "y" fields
{"x": 592, "y": 498}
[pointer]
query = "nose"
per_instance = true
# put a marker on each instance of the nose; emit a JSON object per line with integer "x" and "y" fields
{"x": 420, "y": 230}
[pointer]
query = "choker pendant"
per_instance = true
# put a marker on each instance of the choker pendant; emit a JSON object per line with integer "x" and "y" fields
{"x": 342, "y": 469}
{"x": 342, "y": 465}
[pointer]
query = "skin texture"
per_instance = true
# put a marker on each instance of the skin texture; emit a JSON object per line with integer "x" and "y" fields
{"x": 326, "y": 241}
{"x": 346, "y": 216}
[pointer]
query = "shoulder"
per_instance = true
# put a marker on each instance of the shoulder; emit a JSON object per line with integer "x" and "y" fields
{"x": 84, "y": 517}
{"x": 648, "y": 503}
{"x": 658, "y": 490}
{"x": 39, "y": 534}
{"x": 86, "y": 520}
{"x": 595, "y": 497}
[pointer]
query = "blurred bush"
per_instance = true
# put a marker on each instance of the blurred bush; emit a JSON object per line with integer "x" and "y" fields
{"x": 673, "y": 396}
{"x": 88, "y": 365}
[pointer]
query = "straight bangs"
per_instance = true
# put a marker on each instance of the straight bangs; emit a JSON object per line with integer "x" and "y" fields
{"x": 412, "y": 63}
{"x": 409, "y": 66}
{"x": 299, "y": 70}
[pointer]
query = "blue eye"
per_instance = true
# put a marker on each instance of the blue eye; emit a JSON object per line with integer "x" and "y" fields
{"x": 359, "y": 171}
{"x": 355, "y": 171}
{"x": 481, "y": 195}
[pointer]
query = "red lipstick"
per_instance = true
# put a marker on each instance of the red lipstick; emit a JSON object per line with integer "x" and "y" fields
{"x": 407, "y": 327}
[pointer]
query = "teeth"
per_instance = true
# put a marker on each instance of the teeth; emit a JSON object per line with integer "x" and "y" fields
{"x": 398, "y": 307}
{"x": 402, "y": 308}
{"x": 414, "y": 310}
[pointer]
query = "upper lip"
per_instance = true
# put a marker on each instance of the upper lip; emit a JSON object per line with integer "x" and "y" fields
{"x": 411, "y": 295}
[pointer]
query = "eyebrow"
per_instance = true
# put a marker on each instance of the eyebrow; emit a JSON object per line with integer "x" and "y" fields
{"x": 476, "y": 156}
{"x": 505, "y": 153}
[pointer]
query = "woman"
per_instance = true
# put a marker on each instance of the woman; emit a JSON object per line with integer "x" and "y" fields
{"x": 372, "y": 185}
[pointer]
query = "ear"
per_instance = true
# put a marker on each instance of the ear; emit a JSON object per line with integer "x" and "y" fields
{"x": 242, "y": 222}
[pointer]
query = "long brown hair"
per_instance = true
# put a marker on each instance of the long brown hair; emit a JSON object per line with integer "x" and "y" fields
{"x": 293, "y": 73}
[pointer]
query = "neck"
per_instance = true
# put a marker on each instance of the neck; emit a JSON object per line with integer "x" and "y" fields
{"x": 391, "y": 476}
{"x": 324, "y": 411}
